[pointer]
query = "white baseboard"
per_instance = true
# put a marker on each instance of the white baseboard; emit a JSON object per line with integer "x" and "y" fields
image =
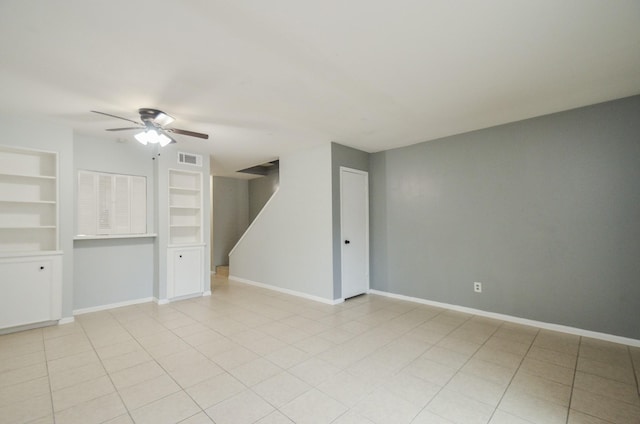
{"x": 175, "y": 299}
{"x": 111, "y": 306}
{"x": 286, "y": 291}
{"x": 66, "y": 320}
{"x": 517, "y": 320}
{"x": 25, "y": 327}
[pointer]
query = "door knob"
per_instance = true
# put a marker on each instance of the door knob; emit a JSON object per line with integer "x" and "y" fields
{"x": 347, "y": 242}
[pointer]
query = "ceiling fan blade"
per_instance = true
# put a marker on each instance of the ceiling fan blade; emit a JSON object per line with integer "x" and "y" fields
{"x": 189, "y": 133}
{"x": 124, "y": 129}
{"x": 115, "y": 116}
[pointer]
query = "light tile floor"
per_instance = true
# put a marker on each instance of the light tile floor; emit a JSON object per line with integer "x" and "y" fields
{"x": 249, "y": 355}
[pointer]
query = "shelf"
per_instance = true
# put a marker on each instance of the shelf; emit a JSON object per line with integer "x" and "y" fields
{"x": 193, "y": 190}
{"x": 29, "y": 227}
{"x": 185, "y": 226}
{"x": 114, "y": 236}
{"x": 184, "y": 207}
{"x": 30, "y": 202}
{"x": 40, "y": 177}
{"x": 184, "y": 245}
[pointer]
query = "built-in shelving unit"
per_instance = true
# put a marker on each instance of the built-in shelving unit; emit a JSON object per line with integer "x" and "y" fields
{"x": 185, "y": 253}
{"x": 30, "y": 263}
{"x": 185, "y": 208}
{"x": 28, "y": 201}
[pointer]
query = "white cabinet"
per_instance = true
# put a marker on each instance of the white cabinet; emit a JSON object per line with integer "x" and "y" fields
{"x": 31, "y": 288}
{"x": 30, "y": 263}
{"x": 185, "y": 272}
{"x": 185, "y": 253}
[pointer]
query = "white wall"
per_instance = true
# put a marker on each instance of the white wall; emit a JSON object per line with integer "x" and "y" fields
{"x": 289, "y": 244}
{"x": 42, "y": 135}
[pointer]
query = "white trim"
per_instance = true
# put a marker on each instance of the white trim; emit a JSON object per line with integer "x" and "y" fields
{"x": 24, "y": 327}
{"x": 178, "y": 298}
{"x": 517, "y": 320}
{"x": 30, "y": 253}
{"x": 286, "y": 291}
{"x": 111, "y": 306}
{"x": 172, "y": 246}
{"x": 66, "y": 320}
{"x": 114, "y": 236}
{"x": 185, "y": 297}
{"x": 254, "y": 221}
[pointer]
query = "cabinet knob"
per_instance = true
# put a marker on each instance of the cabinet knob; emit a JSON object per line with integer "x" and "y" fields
{"x": 41, "y": 268}
{"x": 180, "y": 255}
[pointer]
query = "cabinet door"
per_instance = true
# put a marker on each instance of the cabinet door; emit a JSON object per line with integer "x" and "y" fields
{"x": 30, "y": 292}
{"x": 187, "y": 272}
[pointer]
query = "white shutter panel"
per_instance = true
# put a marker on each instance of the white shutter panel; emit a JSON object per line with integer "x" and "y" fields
{"x": 87, "y": 217}
{"x": 138, "y": 205}
{"x": 121, "y": 204}
{"x": 105, "y": 204}
{"x": 111, "y": 204}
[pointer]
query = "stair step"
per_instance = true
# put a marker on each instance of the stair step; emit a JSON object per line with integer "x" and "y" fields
{"x": 222, "y": 270}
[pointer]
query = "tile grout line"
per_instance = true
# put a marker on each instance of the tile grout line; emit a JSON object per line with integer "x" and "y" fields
{"x": 633, "y": 368}
{"x": 210, "y": 360}
{"x": 573, "y": 380}
{"x": 46, "y": 364}
{"x": 125, "y": 321}
{"x": 514, "y": 375}
{"x": 458, "y": 370}
{"x": 105, "y": 370}
{"x": 160, "y": 365}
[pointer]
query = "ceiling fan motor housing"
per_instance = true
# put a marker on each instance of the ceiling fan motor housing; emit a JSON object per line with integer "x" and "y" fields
{"x": 147, "y": 114}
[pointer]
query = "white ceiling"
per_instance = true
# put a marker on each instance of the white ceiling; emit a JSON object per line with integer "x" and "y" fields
{"x": 267, "y": 77}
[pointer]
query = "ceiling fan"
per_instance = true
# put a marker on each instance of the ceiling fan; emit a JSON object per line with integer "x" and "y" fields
{"x": 153, "y": 122}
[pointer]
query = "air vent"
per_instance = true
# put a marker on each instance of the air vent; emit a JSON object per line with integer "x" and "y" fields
{"x": 189, "y": 159}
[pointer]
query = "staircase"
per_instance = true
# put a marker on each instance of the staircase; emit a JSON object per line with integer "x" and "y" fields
{"x": 222, "y": 271}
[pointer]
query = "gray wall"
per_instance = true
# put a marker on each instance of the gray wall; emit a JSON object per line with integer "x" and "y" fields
{"x": 230, "y": 216}
{"x": 115, "y": 270}
{"x": 260, "y": 191}
{"x": 112, "y": 271}
{"x": 350, "y": 158}
{"x": 544, "y": 212}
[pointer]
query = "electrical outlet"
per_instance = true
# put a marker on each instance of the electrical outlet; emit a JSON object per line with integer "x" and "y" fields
{"x": 477, "y": 287}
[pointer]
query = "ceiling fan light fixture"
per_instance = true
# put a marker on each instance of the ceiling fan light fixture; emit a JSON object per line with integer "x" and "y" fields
{"x": 142, "y": 138}
{"x": 152, "y": 137}
{"x": 163, "y": 140}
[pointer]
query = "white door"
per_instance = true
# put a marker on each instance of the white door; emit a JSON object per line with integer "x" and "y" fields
{"x": 354, "y": 229}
